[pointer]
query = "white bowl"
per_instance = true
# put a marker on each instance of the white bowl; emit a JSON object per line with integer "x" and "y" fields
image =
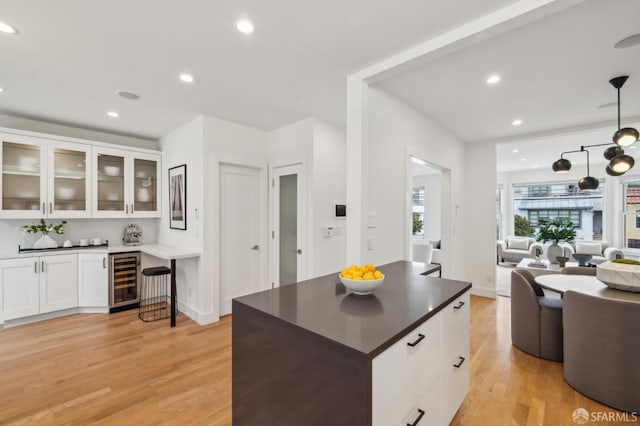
{"x": 111, "y": 170}
{"x": 65, "y": 193}
{"x": 361, "y": 287}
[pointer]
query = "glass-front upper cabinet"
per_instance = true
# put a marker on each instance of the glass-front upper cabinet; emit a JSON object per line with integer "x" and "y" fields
{"x": 145, "y": 190}
{"x": 23, "y": 177}
{"x": 126, "y": 183}
{"x": 69, "y": 185}
{"x": 111, "y": 188}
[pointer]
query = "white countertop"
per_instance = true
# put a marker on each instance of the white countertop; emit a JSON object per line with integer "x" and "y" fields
{"x": 156, "y": 250}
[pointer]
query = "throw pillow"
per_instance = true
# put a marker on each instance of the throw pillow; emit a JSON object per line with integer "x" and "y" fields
{"x": 589, "y": 248}
{"x": 518, "y": 243}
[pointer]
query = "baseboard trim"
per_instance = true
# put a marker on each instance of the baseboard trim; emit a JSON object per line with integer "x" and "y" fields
{"x": 483, "y": 292}
{"x": 199, "y": 317}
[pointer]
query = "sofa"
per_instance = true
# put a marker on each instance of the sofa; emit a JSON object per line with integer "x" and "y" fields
{"x": 601, "y": 251}
{"x": 514, "y": 249}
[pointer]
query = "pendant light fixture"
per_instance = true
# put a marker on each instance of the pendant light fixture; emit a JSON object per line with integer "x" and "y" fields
{"x": 628, "y": 135}
{"x": 619, "y": 162}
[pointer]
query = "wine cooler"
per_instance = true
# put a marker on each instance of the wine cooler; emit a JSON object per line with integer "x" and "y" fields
{"x": 124, "y": 281}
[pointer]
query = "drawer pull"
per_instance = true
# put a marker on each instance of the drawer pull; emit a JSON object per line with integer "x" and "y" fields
{"x": 460, "y": 305}
{"x": 459, "y": 363}
{"x": 418, "y": 340}
{"x": 416, "y": 421}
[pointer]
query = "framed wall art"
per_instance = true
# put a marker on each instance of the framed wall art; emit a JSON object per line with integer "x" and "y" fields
{"x": 178, "y": 197}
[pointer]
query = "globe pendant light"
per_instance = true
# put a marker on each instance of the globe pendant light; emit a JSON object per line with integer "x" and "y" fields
{"x": 611, "y": 172}
{"x": 628, "y": 135}
{"x": 612, "y": 152}
{"x": 561, "y": 166}
{"x": 588, "y": 183}
{"x": 621, "y": 163}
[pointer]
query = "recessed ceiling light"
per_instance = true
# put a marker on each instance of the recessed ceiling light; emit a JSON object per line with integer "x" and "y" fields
{"x": 127, "y": 95}
{"x": 523, "y": 159}
{"x": 516, "y": 122}
{"x": 113, "y": 114}
{"x": 244, "y": 26}
{"x": 535, "y": 166}
{"x": 187, "y": 78}
{"x": 628, "y": 42}
{"x": 493, "y": 79}
{"x": 515, "y": 150}
{"x": 7, "y": 29}
{"x": 1, "y": 90}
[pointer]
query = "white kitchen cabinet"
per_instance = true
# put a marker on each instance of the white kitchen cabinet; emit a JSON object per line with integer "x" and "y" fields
{"x": 58, "y": 282}
{"x": 36, "y": 285}
{"x": 93, "y": 280}
{"x": 19, "y": 287}
{"x": 43, "y": 177}
{"x": 126, "y": 183}
{"x": 422, "y": 381}
{"x": 455, "y": 358}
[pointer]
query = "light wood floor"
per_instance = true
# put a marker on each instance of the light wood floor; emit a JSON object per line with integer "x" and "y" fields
{"x": 116, "y": 369}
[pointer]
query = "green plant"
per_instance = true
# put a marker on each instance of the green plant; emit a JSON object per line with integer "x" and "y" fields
{"x": 44, "y": 228}
{"x": 556, "y": 230}
{"x": 523, "y": 226}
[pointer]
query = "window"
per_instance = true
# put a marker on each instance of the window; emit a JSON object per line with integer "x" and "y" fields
{"x": 418, "y": 212}
{"x": 548, "y": 215}
{"x": 539, "y": 191}
{"x": 631, "y": 200}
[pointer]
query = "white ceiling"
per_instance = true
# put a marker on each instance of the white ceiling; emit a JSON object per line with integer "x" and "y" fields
{"x": 72, "y": 56}
{"x": 554, "y": 71}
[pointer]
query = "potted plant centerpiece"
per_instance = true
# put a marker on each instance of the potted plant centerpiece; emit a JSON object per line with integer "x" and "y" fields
{"x": 45, "y": 241}
{"x": 556, "y": 231}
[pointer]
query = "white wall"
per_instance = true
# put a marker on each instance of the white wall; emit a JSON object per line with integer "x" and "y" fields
{"x": 329, "y": 189}
{"x": 395, "y": 130}
{"x": 74, "y": 132}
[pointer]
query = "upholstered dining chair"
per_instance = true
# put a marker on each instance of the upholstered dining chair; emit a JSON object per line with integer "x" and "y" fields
{"x": 579, "y": 270}
{"x": 536, "y": 320}
{"x": 602, "y": 349}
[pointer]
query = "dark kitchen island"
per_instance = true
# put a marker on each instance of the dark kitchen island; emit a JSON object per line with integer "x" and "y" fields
{"x": 312, "y": 353}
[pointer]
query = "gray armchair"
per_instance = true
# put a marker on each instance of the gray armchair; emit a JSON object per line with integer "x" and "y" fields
{"x": 514, "y": 249}
{"x": 601, "y": 250}
{"x": 536, "y": 320}
{"x": 602, "y": 349}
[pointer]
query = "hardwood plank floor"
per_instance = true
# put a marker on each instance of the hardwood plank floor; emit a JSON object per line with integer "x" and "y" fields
{"x": 116, "y": 369}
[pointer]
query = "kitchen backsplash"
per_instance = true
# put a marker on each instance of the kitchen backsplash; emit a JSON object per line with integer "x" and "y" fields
{"x": 75, "y": 229}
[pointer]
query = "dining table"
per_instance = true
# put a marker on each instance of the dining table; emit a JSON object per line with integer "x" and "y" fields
{"x": 588, "y": 284}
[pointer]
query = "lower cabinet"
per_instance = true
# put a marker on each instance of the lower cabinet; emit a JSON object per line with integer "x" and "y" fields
{"x": 93, "y": 280}
{"x": 36, "y": 285}
{"x": 423, "y": 378}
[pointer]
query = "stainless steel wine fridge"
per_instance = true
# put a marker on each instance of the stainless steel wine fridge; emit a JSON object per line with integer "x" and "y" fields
{"x": 124, "y": 281}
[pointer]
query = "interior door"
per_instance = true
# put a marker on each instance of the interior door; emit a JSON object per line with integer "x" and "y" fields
{"x": 289, "y": 225}
{"x": 239, "y": 233}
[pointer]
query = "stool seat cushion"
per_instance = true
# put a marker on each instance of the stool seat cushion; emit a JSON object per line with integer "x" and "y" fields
{"x": 158, "y": 270}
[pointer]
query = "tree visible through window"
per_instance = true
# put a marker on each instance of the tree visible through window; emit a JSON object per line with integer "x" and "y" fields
{"x": 418, "y": 211}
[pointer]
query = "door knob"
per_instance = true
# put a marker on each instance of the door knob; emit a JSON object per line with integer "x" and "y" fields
{"x": 299, "y": 251}
{"x": 256, "y": 247}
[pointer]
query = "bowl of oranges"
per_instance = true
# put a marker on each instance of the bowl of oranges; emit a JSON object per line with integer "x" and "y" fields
{"x": 361, "y": 280}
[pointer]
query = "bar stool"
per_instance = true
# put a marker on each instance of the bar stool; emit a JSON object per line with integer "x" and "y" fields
{"x": 154, "y": 296}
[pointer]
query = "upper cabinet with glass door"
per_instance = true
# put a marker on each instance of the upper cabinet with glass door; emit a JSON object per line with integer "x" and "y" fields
{"x": 43, "y": 178}
{"x": 126, "y": 183}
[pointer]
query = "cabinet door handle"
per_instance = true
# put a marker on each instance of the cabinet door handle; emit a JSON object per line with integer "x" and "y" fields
{"x": 418, "y": 340}
{"x": 131, "y": 208}
{"x": 459, "y": 305}
{"x": 416, "y": 421}
{"x": 50, "y": 208}
{"x": 459, "y": 362}
{"x": 104, "y": 263}
{"x": 35, "y": 266}
{"x": 126, "y": 208}
{"x": 44, "y": 209}
{"x": 42, "y": 268}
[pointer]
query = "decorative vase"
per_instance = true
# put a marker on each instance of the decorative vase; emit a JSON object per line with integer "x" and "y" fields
{"x": 45, "y": 242}
{"x": 554, "y": 251}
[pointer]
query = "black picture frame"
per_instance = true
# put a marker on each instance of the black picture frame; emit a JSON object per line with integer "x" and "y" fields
{"x": 178, "y": 197}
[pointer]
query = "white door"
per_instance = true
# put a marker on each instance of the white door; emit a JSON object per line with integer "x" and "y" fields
{"x": 239, "y": 234}
{"x": 19, "y": 287}
{"x": 93, "y": 280}
{"x": 58, "y": 282}
{"x": 288, "y": 224}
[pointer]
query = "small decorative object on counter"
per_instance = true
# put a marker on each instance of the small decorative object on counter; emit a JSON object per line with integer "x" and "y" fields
{"x": 620, "y": 274}
{"x": 45, "y": 241}
{"x": 562, "y": 261}
{"x": 361, "y": 280}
